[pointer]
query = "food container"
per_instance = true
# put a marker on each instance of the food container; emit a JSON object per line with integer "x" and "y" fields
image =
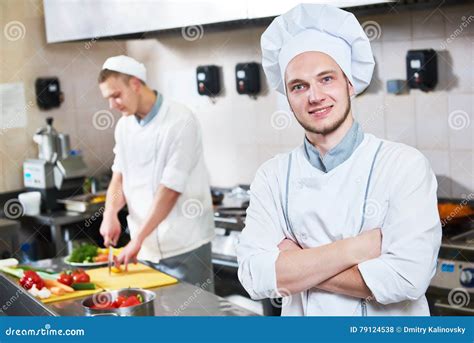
{"x": 146, "y": 308}
{"x": 85, "y": 202}
{"x": 31, "y": 203}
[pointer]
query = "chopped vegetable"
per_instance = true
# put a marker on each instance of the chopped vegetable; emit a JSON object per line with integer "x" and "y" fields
{"x": 25, "y": 267}
{"x": 131, "y": 301}
{"x": 83, "y": 253}
{"x": 47, "y": 276}
{"x": 102, "y": 251}
{"x": 121, "y": 301}
{"x": 57, "y": 291}
{"x": 101, "y": 258}
{"x": 9, "y": 262}
{"x": 54, "y": 283}
{"x": 13, "y": 271}
{"x": 116, "y": 270}
{"x": 31, "y": 278}
{"x": 83, "y": 286}
{"x": 43, "y": 293}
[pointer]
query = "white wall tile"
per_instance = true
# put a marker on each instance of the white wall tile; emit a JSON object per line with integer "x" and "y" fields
{"x": 458, "y": 20}
{"x": 396, "y": 27}
{"x": 369, "y": 111}
{"x": 440, "y": 163}
{"x": 462, "y": 166}
{"x": 377, "y": 84}
{"x": 460, "y": 61}
{"x": 460, "y": 122}
{"x": 431, "y": 111}
{"x": 400, "y": 119}
{"x": 393, "y": 63}
{"x": 428, "y": 24}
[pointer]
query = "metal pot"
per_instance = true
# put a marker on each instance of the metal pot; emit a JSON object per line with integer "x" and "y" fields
{"x": 146, "y": 308}
{"x": 47, "y": 140}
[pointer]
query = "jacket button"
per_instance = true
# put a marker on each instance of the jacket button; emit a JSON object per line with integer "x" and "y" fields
{"x": 303, "y": 236}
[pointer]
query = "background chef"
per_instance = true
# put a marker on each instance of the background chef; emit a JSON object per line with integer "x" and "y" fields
{"x": 159, "y": 173}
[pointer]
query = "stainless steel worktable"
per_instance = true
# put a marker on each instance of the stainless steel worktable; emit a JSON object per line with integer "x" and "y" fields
{"x": 56, "y": 220}
{"x": 181, "y": 299}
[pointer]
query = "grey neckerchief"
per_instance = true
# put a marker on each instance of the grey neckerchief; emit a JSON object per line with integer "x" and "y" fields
{"x": 337, "y": 155}
{"x": 153, "y": 112}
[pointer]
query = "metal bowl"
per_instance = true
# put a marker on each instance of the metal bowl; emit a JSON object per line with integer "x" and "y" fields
{"x": 146, "y": 308}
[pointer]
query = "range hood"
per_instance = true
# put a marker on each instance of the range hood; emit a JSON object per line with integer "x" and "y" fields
{"x": 84, "y": 19}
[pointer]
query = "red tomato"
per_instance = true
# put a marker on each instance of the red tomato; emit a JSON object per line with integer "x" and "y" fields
{"x": 80, "y": 276}
{"x": 131, "y": 301}
{"x": 65, "y": 279}
{"x": 120, "y": 300}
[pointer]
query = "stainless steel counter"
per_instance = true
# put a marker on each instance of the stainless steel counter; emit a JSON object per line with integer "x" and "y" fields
{"x": 181, "y": 299}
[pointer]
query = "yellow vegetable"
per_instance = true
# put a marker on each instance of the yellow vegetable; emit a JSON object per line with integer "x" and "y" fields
{"x": 105, "y": 251}
{"x": 116, "y": 270}
{"x": 57, "y": 291}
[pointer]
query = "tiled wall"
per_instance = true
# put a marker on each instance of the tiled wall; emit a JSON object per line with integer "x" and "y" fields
{"x": 240, "y": 133}
{"x": 24, "y": 56}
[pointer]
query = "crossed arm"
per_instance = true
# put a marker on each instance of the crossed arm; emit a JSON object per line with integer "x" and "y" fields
{"x": 331, "y": 267}
{"x": 412, "y": 237}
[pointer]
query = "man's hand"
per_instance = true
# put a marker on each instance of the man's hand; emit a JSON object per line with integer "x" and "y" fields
{"x": 350, "y": 281}
{"x": 114, "y": 201}
{"x": 288, "y": 244}
{"x": 128, "y": 254}
{"x": 321, "y": 263}
{"x": 110, "y": 229}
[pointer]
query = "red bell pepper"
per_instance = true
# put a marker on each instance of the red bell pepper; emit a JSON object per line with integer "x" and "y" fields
{"x": 31, "y": 278}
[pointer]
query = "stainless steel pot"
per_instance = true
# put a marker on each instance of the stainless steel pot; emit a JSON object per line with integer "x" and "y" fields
{"x": 146, "y": 308}
{"x": 48, "y": 143}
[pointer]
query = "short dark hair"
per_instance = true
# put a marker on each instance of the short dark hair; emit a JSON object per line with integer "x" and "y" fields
{"x": 106, "y": 73}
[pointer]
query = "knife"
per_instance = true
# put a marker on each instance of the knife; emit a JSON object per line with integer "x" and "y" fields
{"x": 111, "y": 258}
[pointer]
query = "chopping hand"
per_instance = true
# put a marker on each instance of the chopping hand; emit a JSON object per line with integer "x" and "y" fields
{"x": 128, "y": 254}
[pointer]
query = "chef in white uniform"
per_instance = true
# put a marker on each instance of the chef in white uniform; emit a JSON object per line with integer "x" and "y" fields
{"x": 160, "y": 174}
{"x": 347, "y": 223}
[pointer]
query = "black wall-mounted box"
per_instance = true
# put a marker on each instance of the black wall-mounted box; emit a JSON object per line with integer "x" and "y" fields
{"x": 247, "y": 78}
{"x": 422, "y": 69}
{"x": 208, "y": 80}
{"x": 48, "y": 92}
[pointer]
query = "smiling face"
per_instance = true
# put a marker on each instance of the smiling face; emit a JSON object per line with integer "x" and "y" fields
{"x": 318, "y": 92}
{"x": 122, "y": 93}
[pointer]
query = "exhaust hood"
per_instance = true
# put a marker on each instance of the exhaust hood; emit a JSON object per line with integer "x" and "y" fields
{"x": 84, "y": 19}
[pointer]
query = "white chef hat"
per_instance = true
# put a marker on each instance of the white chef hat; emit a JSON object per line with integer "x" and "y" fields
{"x": 323, "y": 28}
{"x": 126, "y": 65}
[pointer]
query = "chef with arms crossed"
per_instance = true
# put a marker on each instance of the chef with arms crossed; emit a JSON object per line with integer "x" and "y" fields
{"x": 159, "y": 173}
{"x": 347, "y": 223}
